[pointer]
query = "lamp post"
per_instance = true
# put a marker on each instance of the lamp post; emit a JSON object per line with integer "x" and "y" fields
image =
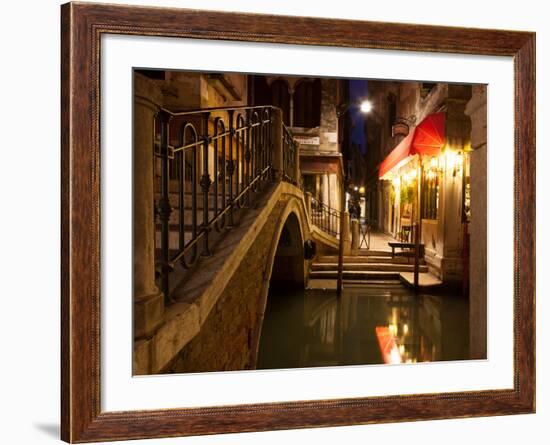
{"x": 366, "y": 107}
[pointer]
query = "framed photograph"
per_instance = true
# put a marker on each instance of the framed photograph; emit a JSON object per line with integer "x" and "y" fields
{"x": 274, "y": 222}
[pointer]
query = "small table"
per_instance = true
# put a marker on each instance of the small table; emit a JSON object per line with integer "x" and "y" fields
{"x": 410, "y": 246}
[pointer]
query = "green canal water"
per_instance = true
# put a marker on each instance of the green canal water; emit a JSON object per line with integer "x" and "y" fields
{"x": 380, "y": 323}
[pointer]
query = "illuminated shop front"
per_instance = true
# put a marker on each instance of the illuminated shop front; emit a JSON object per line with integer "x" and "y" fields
{"x": 426, "y": 184}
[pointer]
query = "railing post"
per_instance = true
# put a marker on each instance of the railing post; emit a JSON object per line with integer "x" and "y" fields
{"x": 269, "y": 145}
{"x": 231, "y": 164}
{"x": 297, "y": 174}
{"x": 346, "y": 232}
{"x": 308, "y": 204}
{"x": 248, "y": 155}
{"x": 416, "y": 255}
{"x": 355, "y": 236}
{"x": 165, "y": 208}
{"x": 205, "y": 182}
{"x": 277, "y": 144}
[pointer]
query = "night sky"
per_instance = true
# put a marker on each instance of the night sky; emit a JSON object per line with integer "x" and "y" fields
{"x": 357, "y": 92}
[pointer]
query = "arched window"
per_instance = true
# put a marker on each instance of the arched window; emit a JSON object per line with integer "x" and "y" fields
{"x": 307, "y": 104}
{"x": 281, "y": 98}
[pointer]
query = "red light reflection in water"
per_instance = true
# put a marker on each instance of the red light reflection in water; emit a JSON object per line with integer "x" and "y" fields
{"x": 388, "y": 345}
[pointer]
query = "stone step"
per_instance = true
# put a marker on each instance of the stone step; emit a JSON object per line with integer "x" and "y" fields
{"x": 359, "y": 267}
{"x": 355, "y": 275}
{"x": 368, "y": 259}
{"x": 365, "y": 252}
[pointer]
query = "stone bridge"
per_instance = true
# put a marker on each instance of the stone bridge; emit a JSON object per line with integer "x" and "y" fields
{"x": 215, "y": 322}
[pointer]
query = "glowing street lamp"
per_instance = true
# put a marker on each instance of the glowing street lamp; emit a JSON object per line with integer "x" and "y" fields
{"x": 366, "y": 106}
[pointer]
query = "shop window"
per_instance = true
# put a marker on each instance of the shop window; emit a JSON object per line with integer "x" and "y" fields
{"x": 430, "y": 193}
{"x": 281, "y": 98}
{"x": 307, "y": 104}
{"x": 466, "y": 189}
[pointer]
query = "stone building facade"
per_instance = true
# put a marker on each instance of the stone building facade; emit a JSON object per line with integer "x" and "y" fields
{"x": 476, "y": 109}
{"x": 431, "y": 191}
{"x": 309, "y": 109}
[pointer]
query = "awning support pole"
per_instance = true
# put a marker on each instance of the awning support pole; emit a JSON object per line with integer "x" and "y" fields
{"x": 418, "y": 226}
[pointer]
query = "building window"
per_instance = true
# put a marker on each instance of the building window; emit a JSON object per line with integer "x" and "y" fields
{"x": 310, "y": 184}
{"x": 153, "y": 74}
{"x": 307, "y": 104}
{"x": 426, "y": 88}
{"x": 281, "y": 98}
{"x": 430, "y": 194}
{"x": 392, "y": 112}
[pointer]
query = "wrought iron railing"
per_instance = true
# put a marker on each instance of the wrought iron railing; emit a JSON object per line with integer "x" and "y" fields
{"x": 222, "y": 157}
{"x": 325, "y": 218}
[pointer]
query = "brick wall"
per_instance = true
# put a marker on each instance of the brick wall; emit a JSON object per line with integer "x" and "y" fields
{"x": 227, "y": 338}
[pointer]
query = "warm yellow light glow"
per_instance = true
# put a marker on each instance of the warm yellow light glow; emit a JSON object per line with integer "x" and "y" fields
{"x": 362, "y": 190}
{"x": 395, "y": 182}
{"x": 393, "y": 329}
{"x": 433, "y": 162}
{"x": 454, "y": 161}
{"x": 451, "y": 159}
{"x": 366, "y": 106}
{"x": 355, "y": 188}
{"x": 405, "y": 329}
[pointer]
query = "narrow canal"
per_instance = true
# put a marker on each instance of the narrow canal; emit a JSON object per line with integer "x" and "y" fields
{"x": 374, "y": 324}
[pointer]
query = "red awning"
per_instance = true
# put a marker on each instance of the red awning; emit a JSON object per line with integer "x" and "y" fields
{"x": 427, "y": 138}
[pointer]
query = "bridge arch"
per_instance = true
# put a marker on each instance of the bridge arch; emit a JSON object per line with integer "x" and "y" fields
{"x": 285, "y": 265}
{"x": 288, "y": 268}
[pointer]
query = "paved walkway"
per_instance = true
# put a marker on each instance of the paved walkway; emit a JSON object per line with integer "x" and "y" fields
{"x": 379, "y": 241}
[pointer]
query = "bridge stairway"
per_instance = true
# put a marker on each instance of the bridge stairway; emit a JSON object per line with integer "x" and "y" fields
{"x": 188, "y": 218}
{"x": 180, "y": 273}
{"x": 373, "y": 267}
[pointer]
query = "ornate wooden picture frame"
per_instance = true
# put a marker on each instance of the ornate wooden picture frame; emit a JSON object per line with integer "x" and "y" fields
{"x": 82, "y": 27}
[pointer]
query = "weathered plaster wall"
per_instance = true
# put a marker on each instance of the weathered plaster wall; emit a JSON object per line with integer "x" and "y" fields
{"x": 477, "y": 110}
{"x": 329, "y": 120}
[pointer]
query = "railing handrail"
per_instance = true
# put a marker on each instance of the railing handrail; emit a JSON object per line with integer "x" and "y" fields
{"x": 326, "y": 218}
{"x": 325, "y": 206}
{"x": 220, "y": 109}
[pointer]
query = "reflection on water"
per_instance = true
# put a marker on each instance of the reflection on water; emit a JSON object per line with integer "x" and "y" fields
{"x": 368, "y": 325}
